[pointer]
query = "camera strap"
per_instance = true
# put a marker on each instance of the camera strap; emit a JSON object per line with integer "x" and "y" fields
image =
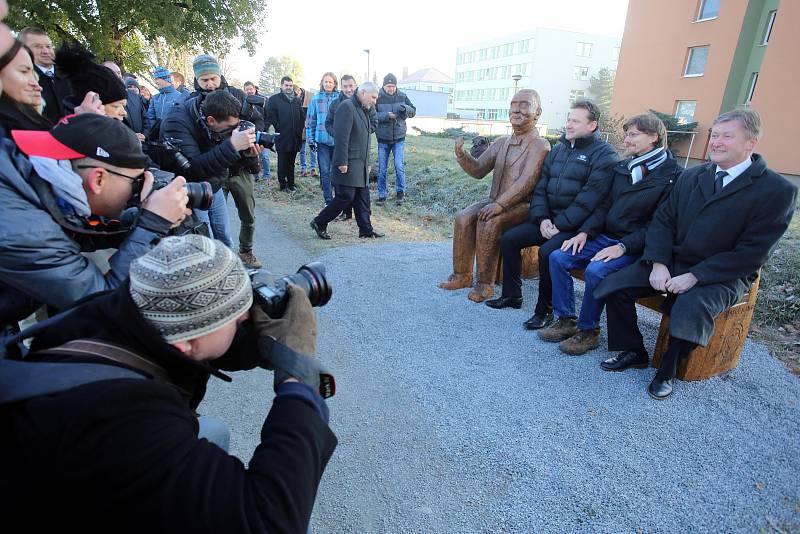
{"x": 304, "y": 368}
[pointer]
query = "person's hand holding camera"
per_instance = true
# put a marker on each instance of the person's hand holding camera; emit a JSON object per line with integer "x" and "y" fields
{"x": 243, "y": 139}
{"x": 169, "y": 202}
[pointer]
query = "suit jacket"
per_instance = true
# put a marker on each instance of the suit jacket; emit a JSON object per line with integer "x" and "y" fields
{"x": 54, "y": 91}
{"x": 351, "y": 144}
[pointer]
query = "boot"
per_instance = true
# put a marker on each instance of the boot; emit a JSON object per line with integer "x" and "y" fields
{"x": 457, "y": 281}
{"x": 481, "y": 292}
{"x": 249, "y": 260}
{"x": 563, "y": 328}
{"x": 583, "y": 341}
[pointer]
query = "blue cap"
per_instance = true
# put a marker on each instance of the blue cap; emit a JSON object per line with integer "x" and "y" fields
{"x": 163, "y": 73}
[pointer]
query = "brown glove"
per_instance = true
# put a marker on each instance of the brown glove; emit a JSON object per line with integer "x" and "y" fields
{"x": 297, "y": 329}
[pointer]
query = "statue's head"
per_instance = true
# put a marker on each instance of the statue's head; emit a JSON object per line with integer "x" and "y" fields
{"x": 526, "y": 107}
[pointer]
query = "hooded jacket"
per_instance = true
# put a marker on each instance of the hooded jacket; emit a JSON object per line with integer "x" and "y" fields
{"x": 393, "y": 130}
{"x": 161, "y": 105}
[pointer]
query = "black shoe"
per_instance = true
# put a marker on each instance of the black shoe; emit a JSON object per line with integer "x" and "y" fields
{"x": 625, "y": 360}
{"x": 539, "y": 320}
{"x": 292, "y": 189}
{"x": 401, "y": 196}
{"x": 371, "y": 234}
{"x": 660, "y": 389}
{"x": 380, "y": 201}
{"x": 505, "y": 302}
{"x": 321, "y": 232}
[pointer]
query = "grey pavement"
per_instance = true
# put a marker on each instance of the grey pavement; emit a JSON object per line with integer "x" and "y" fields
{"x": 452, "y": 418}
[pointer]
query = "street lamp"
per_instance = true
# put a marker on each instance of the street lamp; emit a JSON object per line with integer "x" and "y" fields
{"x": 367, "y": 51}
{"x": 516, "y": 78}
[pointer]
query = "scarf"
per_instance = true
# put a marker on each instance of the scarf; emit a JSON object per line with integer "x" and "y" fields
{"x": 67, "y": 186}
{"x": 641, "y": 166}
{"x": 16, "y": 116}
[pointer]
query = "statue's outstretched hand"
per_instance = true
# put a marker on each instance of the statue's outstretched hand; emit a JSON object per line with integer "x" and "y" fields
{"x": 459, "y": 147}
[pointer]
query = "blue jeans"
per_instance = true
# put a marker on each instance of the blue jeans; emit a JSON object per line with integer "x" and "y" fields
{"x": 563, "y": 290}
{"x": 325, "y": 155}
{"x": 265, "y": 163}
{"x": 312, "y": 158}
{"x": 215, "y": 430}
{"x": 399, "y": 166}
{"x": 217, "y": 218}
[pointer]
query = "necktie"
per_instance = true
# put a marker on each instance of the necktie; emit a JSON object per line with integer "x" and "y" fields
{"x": 718, "y": 181}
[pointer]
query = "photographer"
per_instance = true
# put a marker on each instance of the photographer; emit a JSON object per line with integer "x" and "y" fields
{"x": 67, "y": 199}
{"x": 127, "y": 452}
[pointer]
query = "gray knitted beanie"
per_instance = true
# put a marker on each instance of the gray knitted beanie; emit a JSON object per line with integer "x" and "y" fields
{"x": 189, "y": 286}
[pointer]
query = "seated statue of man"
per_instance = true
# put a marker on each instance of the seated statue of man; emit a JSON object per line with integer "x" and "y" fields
{"x": 516, "y": 161}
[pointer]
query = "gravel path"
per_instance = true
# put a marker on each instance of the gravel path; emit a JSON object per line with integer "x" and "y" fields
{"x": 451, "y": 418}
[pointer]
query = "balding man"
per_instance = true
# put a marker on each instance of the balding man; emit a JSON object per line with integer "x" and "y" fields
{"x": 517, "y": 162}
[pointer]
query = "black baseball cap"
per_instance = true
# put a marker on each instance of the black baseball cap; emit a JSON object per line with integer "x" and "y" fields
{"x": 87, "y": 135}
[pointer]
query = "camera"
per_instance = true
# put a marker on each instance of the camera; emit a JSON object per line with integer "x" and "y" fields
{"x": 402, "y": 112}
{"x": 200, "y": 193}
{"x": 267, "y": 140}
{"x": 271, "y": 296}
{"x": 168, "y": 155}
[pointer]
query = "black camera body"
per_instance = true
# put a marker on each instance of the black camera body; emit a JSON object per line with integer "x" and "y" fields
{"x": 168, "y": 155}
{"x": 265, "y": 139}
{"x": 271, "y": 295}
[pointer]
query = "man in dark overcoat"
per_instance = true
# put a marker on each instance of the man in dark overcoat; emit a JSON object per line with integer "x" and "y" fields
{"x": 703, "y": 248}
{"x": 285, "y": 113}
{"x": 350, "y": 173}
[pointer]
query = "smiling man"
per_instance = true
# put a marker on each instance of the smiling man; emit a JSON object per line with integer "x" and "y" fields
{"x": 703, "y": 248}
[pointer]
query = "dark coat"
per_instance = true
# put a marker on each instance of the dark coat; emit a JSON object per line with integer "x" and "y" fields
{"x": 54, "y": 91}
{"x": 136, "y": 111}
{"x": 256, "y": 115}
{"x": 723, "y": 239}
{"x": 628, "y": 208}
{"x": 329, "y": 120}
{"x": 210, "y": 156}
{"x": 573, "y": 183}
{"x": 288, "y": 120}
{"x": 130, "y": 447}
{"x": 351, "y": 144}
{"x": 393, "y": 130}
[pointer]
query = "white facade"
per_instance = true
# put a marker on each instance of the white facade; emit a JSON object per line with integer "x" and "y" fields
{"x": 557, "y": 64}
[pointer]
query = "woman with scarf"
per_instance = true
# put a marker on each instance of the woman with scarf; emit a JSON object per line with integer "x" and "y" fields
{"x": 21, "y": 100}
{"x": 613, "y": 236}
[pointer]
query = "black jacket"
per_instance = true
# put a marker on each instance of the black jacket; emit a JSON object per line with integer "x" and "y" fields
{"x": 210, "y": 156}
{"x": 288, "y": 120}
{"x": 351, "y": 138}
{"x": 573, "y": 183}
{"x": 330, "y": 118}
{"x": 393, "y": 130}
{"x": 54, "y": 91}
{"x": 628, "y": 208}
{"x": 135, "y": 111}
{"x": 128, "y": 448}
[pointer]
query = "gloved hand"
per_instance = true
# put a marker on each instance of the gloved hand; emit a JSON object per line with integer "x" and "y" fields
{"x": 297, "y": 329}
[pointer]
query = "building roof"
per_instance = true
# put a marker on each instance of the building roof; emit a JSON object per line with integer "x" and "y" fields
{"x": 427, "y": 75}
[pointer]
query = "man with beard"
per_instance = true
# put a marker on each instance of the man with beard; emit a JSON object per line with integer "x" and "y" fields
{"x": 516, "y": 161}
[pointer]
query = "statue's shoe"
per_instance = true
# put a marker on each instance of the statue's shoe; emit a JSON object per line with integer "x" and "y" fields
{"x": 457, "y": 281}
{"x": 481, "y": 292}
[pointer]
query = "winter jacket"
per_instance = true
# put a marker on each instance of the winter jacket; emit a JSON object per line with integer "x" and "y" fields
{"x": 135, "y": 112}
{"x": 318, "y": 110}
{"x": 130, "y": 446}
{"x": 574, "y": 182}
{"x": 288, "y": 120}
{"x": 373, "y": 117}
{"x": 54, "y": 90}
{"x": 393, "y": 130}
{"x": 628, "y": 208}
{"x": 161, "y": 105}
{"x": 210, "y": 156}
{"x": 352, "y": 134}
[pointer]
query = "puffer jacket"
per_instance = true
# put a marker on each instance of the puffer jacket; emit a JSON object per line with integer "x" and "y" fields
{"x": 573, "y": 183}
{"x": 161, "y": 105}
{"x": 393, "y": 130}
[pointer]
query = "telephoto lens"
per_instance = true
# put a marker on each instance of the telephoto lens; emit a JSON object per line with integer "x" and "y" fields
{"x": 271, "y": 296}
{"x": 200, "y": 195}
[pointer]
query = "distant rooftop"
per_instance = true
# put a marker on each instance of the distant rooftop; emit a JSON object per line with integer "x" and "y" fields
{"x": 427, "y": 75}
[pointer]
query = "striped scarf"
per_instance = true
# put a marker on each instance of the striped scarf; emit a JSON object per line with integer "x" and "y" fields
{"x": 641, "y": 166}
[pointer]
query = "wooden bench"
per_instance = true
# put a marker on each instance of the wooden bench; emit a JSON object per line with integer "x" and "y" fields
{"x": 724, "y": 348}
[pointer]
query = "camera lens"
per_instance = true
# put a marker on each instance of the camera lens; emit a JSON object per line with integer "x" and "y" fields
{"x": 200, "y": 195}
{"x": 311, "y": 278}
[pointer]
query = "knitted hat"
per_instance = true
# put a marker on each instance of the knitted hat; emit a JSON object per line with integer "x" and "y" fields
{"x": 84, "y": 75}
{"x": 205, "y": 64}
{"x": 390, "y": 79}
{"x": 189, "y": 286}
{"x": 131, "y": 82}
{"x": 163, "y": 73}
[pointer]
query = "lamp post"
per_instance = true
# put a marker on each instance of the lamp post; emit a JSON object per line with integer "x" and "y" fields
{"x": 367, "y": 51}
{"x": 516, "y": 78}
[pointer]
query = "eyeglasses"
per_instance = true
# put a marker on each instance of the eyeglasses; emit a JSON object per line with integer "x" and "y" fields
{"x": 136, "y": 181}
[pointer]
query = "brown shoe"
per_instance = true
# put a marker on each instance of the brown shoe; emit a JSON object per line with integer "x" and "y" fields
{"x": 563, "y": 328}
{"x": 456, "y": 281}
{"x": 481, "y": 292}
{"x": 249, "y": 259}
{"x": 583, "y": 341}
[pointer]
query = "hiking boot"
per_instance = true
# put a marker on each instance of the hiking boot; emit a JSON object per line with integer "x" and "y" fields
{"x": 249, "y": 260}
{"x": 380, "y": 201}
{"x": 583, "y": 341}
{"x": 401, "y": 197}
{"x": 563, "y": 328}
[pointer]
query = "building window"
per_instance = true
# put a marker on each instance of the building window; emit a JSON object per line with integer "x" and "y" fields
{"x": 684, "y": 110}
{"x": 576, "y": 94}
{"x": 583, "y": 49}
{"x": 696, "y": 61}
{"x": 491, "y": 114}
{"x": 768, "y": 27}
{"x": 752, "y": 88}
{"x": 709, "y": 9}
{"x": 580, "y": 73}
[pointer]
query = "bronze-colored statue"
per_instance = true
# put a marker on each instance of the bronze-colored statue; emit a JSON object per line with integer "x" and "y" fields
{"x": 517, "y": 162}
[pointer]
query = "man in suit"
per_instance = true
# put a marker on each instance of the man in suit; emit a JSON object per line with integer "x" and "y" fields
{"x": 55, "y": 87}
{"x": 703, "y": 248}
{"x": 350, "y": 174}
